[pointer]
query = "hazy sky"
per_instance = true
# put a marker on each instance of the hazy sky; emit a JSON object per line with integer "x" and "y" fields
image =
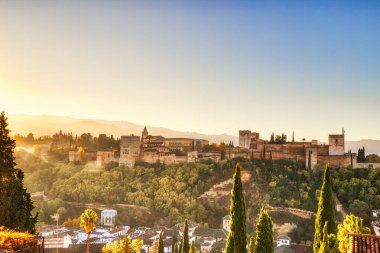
{"x": 206, "y": 66}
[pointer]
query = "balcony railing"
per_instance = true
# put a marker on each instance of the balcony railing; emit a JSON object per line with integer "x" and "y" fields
{"x": 34, "y": 246}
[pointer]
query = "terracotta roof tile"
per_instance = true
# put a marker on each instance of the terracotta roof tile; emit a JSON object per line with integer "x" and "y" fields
{"x": 362, "y": 243}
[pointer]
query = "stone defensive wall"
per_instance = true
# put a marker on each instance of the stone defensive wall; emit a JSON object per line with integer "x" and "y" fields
{"x": 295, "y": 211}
{"x": 367, "y": 165}
{"x": 295, "y": 152}
{"x": 336, "y": 160}
{"x": 275, "y": 155}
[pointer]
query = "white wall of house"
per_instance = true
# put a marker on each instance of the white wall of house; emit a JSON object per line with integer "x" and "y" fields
{"x": 283, "y": 241}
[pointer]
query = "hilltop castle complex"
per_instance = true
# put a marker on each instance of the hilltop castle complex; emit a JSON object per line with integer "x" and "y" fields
{"x": 312, "y": 153}
{"x": 151, "y": 149}
{"x": 155, "y": 148}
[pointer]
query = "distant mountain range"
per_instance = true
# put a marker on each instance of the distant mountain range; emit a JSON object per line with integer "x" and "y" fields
{"x": 371, "y": 146}
{"x": 48, "y": 125}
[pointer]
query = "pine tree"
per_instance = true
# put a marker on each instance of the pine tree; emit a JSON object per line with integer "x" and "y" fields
{"x": 185, "y": 239}
{"x": 326, "y": 211}
{"x": 175, "y": 240}
{"x": 237, "y": 237}
{"x": 15, "y": 203}
{"x": 264, "y": 234}
{"x": 160, "y": 244}
{"x": 251, "y": 244}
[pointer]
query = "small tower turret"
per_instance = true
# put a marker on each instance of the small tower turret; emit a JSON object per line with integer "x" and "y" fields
{"x": 144, "y": 134}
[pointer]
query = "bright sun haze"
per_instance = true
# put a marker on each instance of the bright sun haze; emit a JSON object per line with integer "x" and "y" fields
{"x": 206, "y": 66}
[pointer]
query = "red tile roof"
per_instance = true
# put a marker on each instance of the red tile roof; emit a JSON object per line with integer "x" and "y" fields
{"x": 302, "y": 248}
{"x": 361, "y": 243}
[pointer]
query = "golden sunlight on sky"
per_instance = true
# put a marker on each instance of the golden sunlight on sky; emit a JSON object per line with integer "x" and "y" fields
{"x": 211, "y": 67}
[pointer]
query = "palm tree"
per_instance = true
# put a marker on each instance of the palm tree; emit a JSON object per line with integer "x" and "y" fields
{"x": 87, "y": 221}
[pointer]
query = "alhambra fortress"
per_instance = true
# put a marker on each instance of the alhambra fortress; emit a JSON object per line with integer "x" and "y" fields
{"x": 151, "y": 149}
{"x": 312, "y": 153}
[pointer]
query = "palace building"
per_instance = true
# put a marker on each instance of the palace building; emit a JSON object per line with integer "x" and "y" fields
{"x": 312, "y": 153}
{"x": 151, "y": 149}
{"x": 155, "y": 148}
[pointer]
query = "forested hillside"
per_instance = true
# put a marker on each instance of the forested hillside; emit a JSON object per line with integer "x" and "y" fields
{"x": 171, "y": 192}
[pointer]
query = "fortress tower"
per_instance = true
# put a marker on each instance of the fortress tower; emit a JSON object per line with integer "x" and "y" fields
{"x": 336, "y": 144}
{"x": 244, "y": 138}
{"x": 144, "y": 134}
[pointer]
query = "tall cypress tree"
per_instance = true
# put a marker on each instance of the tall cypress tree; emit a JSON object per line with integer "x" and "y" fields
{"x": 309, "y": 160}
{"x": 363, "y": 154}
{"x": 15, "y": 203}
{"x": 264, "y": 234}
{"x": 192, "y": 248}
{"x": 174, "y": 244}
{"x": 329, "y": 243}
{"x": 237, "y": 237}
{"x": 264, "y": 153}
{"x": 324, "y": 246}
{"x": 160, "y": 244}
{"x": 326, "y": 211}
{"x": 251, "y": 244}
{"x": 185, "y": 239}
{"x": 351, "y": 159}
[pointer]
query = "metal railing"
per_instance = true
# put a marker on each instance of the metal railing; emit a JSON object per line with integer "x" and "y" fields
{"x": 35, "y": 246}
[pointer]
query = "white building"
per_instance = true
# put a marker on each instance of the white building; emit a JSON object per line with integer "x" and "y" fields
{"x": 206, "y": 247}
{"x": 50, "y": 230}
{"x": 119, "y": 231}
{"x": 141, "y": 230}
{"x": 60, "y": 242}
{"x": 226, "y": 222}
{"x": 104, "y": 157}
{"x": 376, "y": 213}
{"x": 376, "y": 227}
{"x": 108, "y": 217}
{"x": 103, "y": 235}
{"x": 283, "y": 240}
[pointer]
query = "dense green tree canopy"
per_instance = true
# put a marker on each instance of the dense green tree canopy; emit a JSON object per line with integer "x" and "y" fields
{"x": 15, "y": 202}
{"x": 170, "y": 193}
